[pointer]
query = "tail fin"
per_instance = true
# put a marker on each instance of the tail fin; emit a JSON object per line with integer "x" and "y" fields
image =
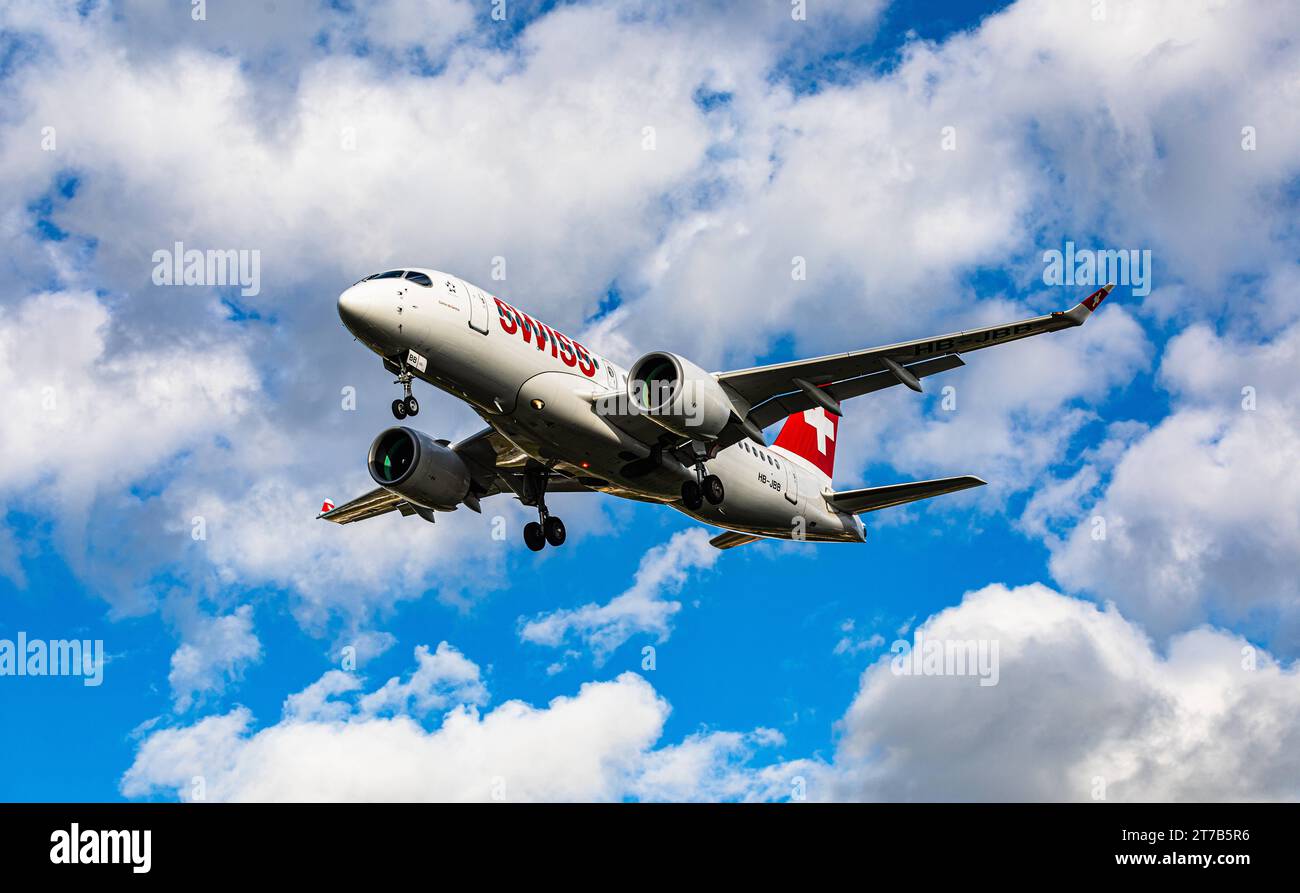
{"x": 810, "y": 435}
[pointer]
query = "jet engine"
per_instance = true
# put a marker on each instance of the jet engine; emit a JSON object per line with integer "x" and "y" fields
{"x": 678, "y": 395}
{"x": 422, "y": 470}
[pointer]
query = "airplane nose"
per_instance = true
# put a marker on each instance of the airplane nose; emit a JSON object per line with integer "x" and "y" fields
{"x": 371, "y": 312}
{"x": 350, "y": 307}
{"x": 357, "y": 310}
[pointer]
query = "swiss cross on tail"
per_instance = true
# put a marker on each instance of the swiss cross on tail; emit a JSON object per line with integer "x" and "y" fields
{"x": 811, "y": 435}
{"x": 1094, "y": 300}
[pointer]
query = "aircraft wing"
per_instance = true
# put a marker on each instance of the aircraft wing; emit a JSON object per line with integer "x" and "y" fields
{"x": 781, "y": 389}
{"x": 377, "y": 502}
{"x": 495, "y": 463}
{"x": 870, "y": 499}
{"x": 498, "y": 465}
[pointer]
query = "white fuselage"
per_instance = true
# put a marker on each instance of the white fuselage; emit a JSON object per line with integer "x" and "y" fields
{"x": 566, "y": 407}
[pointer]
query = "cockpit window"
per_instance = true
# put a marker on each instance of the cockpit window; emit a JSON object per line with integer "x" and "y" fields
{"x": 419, "y": 279}
{"x": 391, "y": 274}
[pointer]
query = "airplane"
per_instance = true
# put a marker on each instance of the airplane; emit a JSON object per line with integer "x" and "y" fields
{"x": 562, "y": 418}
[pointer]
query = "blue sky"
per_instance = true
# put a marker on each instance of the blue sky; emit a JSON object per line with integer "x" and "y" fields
{"x": 824, "y": 139}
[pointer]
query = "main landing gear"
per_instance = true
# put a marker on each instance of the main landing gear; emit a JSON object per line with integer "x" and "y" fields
{"x": 547, "y": 528}
{"x": 705, "y": 486}
{"x": 408, "y": 405}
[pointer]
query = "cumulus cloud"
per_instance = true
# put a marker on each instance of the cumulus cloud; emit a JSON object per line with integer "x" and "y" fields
{"x": 1201, "y": 514}
{"x": 319, "y": 701}
{"x": 101, "y": 417}
{"x": 1085, "y": 707}
{"x": 641, "y": 609}
{"x": 1084, "y": 704}
{"x": 1048, "y": 142}
{"x": 598, "y": 744}
{"x": 442, "y": 678}
{"x": 722, "y": 766}
{"x": 104, "y": 417}
{"x": 340, "y": 576}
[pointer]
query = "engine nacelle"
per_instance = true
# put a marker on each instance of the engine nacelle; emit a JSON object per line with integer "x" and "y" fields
{"x": 413, "y": 465}
{"x": 675, "y": 393}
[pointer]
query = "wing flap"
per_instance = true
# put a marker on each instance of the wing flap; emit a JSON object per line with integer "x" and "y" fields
{"x": 784, "y": 405}
{"x": 731, "y": 539}
{"x": 870, "y": 499}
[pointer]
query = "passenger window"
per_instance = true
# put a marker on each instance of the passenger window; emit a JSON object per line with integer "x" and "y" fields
{"x": 419, "y": 279}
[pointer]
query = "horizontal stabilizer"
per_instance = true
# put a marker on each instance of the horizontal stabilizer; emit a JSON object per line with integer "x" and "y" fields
{"x": 870, "y": 499}
{"x": 731, "y": 539}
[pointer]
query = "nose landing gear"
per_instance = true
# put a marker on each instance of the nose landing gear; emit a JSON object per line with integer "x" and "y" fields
{"x": 408, "y": 405}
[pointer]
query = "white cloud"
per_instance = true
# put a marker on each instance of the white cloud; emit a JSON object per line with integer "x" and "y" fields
{"x": 595, "y": 745}
{"x": 213, "y": 650}
{"x": 269, "y": 534}
{"x": 1202, "y": 513}
{"x": 1082, "y": 695}
{"x": 1084, "y": 703}
{"x": 318, "y": 701}
{"x": 641, "y": 609}
{"x": 440, "y": 679}
{"x": 430, "y": 26}
{"x": 717, "y": 766}
{"x": 103, "y": 417}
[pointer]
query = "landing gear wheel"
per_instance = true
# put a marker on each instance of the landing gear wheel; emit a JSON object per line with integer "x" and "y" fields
{"x": 692, "y": 495}
{"x": 533, "y": 536}
{"x": 713, "y": 490}
{"x": 555, "y": 533}
{"x": 406, "y": 404}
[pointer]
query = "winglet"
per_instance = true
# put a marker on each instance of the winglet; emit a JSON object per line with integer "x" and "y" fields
{"x": 1082, "y": 310}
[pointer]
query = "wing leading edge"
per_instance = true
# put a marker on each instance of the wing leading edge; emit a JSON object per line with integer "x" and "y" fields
{"x": 776, "y": 391}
